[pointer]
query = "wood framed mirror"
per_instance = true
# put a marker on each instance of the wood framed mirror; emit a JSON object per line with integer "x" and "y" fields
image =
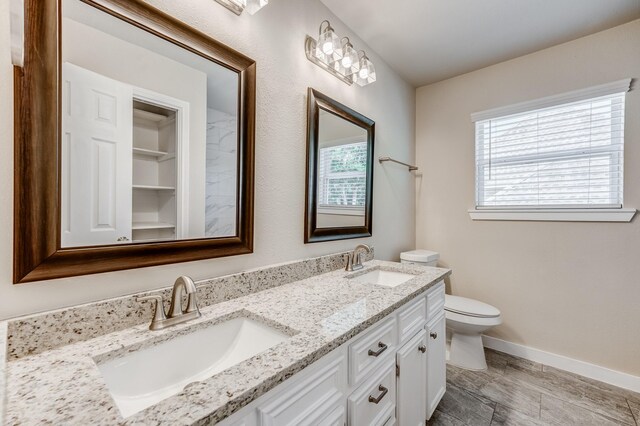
{"x": 134, "y": 141}
{"x": 339, "y": 181}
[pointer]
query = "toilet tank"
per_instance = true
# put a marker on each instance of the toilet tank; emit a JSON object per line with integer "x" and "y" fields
{"x": 420, "y": 257}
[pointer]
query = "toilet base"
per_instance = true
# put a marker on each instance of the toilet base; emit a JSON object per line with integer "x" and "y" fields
{"x": 467, "y": 351}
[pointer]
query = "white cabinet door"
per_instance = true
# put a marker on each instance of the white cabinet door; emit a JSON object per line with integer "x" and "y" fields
{"x": 412, "y": 381}
{"x": 436, "y": 362}
{"x": 97, "y": 133}
{"x": 316, "y": 400}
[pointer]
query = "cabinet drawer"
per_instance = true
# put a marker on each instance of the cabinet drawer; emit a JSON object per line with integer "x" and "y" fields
{"x": 338, "y": 417}
{"x": 370, "y": 350}
{"x": 391, "y": 421}
{"x": 309, "y": 401}
{"x": 435, "y": 300}
{"x": 374, "y": 402}
{"x": 411, "y": 319}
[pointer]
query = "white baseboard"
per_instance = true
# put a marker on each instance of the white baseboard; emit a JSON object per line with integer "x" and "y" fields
{"x": 560, "y": 362}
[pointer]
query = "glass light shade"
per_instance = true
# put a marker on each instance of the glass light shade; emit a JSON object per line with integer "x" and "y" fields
{"x": 252, "y": 6}
{"x": 328, "y": 47}
{"x": 236, "y": 6}
{"x": 349, "y": 64}
{"x": 366, "y": 74}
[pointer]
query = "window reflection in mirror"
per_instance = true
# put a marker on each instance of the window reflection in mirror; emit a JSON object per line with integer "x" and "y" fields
{"x": 342, "y": 172}
{"x": 149, "y": 136}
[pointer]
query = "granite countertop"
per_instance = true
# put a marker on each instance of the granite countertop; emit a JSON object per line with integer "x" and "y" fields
{"x": 64, "y": 386}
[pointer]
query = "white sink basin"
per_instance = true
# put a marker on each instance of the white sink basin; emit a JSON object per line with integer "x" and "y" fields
{"x": 142, "y": 378}
{"x": 384, "y": 278}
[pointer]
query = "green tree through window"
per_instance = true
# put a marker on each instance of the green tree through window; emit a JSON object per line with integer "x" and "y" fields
{"x": 343, "y": 175}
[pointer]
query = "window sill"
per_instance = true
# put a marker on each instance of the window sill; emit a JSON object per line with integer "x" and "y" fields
{"x": 341, "y": 211}
{"x": 555, "y": 215}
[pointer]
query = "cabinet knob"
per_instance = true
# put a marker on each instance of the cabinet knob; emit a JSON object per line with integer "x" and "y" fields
{"x": 433, "y": 335}
{"x": 422, "y": 348}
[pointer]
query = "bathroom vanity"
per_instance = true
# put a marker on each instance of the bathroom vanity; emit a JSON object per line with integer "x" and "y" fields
{"x": 391, "y": 373}
{"x": 334, "y": 348}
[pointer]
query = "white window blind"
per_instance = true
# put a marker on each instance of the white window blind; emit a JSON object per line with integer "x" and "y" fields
{"x": 342, "y": 175}
{"x": 563, "y": 156}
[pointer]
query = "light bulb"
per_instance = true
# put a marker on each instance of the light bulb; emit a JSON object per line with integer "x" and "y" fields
{"x": 327, "y": 48}
{"x": 364, "y": 73}
{"x": 346, "y": 62}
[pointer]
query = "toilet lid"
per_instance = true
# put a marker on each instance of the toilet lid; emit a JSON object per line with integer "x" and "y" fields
{"x": 470, "y": 307}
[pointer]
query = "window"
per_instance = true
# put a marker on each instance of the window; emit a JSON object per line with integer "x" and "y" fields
{"x": 342, "y": 177}
{"x": 567, "y": 155}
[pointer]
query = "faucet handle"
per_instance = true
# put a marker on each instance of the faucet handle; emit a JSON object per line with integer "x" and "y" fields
{"x": 158, "y": 314}
{"x": 348, "y": 257}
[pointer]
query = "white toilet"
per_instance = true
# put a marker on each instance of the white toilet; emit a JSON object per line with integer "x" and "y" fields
{"x": 466, "y": 319}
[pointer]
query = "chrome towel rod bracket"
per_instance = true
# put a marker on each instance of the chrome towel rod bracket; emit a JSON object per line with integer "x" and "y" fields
{"x": 411, "y": 168}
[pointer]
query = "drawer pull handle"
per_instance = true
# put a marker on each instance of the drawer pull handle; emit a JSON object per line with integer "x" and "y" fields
{"x": 383, "y": 391}
{"x": 382, "y": 347}
{"x": 433, "y": 335}
{"x": 422, "y": 348}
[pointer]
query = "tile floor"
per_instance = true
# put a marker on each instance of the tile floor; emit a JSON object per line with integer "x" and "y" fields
{"x": 514, "y": 391}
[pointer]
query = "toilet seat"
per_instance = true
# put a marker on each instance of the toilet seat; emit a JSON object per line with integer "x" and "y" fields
{"x": 471, "y": 320}
{"x": 469, "y": 307}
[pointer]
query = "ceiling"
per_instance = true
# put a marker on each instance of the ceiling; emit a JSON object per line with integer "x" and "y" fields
{"x": 431, "y": 40}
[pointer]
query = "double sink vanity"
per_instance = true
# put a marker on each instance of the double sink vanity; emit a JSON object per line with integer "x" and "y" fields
{"x": 335, "y": 348}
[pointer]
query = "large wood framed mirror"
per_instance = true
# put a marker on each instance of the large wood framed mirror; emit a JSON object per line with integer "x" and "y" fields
{"x": 134, "y": 141}
{"x": 339, "y": 184}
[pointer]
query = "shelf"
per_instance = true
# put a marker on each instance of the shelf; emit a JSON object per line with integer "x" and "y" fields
{"x": 152, "y": 225}
{"x": 149, "y": 152}
{"x": 154, "y": 187}
{"x": 149, "y": 116}
{"x": 152, "y": 240}
{"x": 158, "y": 155}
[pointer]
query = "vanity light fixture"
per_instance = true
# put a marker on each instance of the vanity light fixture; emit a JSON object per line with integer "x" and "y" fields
{"x": 339, "y": 57}
{"x": 367, "y": 73}
{"x": 238, "y": 6}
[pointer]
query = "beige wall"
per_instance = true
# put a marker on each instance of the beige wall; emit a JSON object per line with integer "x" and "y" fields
{"x": 274, "y": 37}
{"x": 568, "y": 288}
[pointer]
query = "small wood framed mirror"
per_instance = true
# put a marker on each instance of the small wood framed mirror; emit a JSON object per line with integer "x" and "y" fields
{"x": 339, "y": 186}
{"x": 134, "y": 141}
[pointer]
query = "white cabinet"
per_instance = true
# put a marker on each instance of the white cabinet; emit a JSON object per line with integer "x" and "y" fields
{"x": 317, "y": 399}
{"x": 374, "y": 402}
{"x": 393, "y": 373}
{"x": 367, "y": 351}
{"x": 411, "y": 360}
{"x": 436, "y": 362}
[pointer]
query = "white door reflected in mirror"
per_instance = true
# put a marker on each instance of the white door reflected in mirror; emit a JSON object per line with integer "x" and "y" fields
{"x": 149, "y": 136}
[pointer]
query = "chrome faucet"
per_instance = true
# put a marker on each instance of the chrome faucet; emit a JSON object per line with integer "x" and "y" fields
{"x": 354, "y": 258}
{"x": 176, "y": 315}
